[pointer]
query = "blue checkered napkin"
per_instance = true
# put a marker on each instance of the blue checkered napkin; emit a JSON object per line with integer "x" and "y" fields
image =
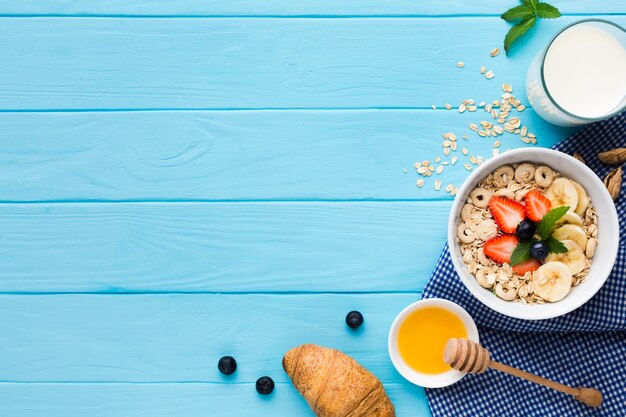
{"x": 585, "y": 348}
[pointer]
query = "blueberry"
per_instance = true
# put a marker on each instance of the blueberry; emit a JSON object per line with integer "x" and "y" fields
{"x": 227, "y": 365}
{"x": 264, "y": 385}
{"x": 525, "y": 230}
{"x": 539, "y": 250}
{"x": 354, "y": 319}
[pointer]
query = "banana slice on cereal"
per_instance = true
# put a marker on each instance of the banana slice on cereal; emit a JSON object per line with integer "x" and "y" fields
{"x": 571, "y": 232}
{"x": 583, "y": 199}
{"x": 562, "y": 192}
{"x": 574, "y": 258}
{"x": 552, "y": 281}
{"x": 570, "y": 218}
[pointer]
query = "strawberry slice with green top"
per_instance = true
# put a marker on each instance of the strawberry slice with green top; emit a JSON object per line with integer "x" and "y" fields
{"x": 499, "y": 249}
{"x": 537, "y": 205}
{"x": 507, "y": 213}
{"x": 529, "y": 265}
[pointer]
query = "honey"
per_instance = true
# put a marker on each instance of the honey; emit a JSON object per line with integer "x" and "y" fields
{"x": 422, "y": 337}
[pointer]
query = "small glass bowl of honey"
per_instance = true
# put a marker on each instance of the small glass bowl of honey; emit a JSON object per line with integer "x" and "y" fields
{"x": 418, "y": 336}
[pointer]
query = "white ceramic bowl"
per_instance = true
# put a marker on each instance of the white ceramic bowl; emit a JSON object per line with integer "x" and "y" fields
{"x": 418, "y": 378}
{"x": 608, "y": 233}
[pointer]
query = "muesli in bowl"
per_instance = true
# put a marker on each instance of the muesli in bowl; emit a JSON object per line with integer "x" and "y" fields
{"x": 528, "y": 233}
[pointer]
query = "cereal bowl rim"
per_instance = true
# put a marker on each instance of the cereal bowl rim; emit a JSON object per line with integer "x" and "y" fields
{"x": 607, "y": 215}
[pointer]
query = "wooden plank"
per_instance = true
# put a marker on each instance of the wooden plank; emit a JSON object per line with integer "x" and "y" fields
{"x": 251, "y": 155}
{"x": 290, "y": 7}
{"x": 180, "y": 400}
{"x": 180, "y": 337}
{"x": 113, "y": 63}
{"x": 220, "y": 247}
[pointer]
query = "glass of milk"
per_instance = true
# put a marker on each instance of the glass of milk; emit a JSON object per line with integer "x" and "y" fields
{"x": 581, "y": 75}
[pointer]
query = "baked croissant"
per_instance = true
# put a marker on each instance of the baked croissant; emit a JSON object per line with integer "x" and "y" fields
{"x": 335, "y": 385}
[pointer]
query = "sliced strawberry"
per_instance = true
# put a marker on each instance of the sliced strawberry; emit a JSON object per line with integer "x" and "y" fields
{"x": 537, "y": 205}
{"x": 529, "y": 265}
{"x": 507, "y": 213}
{"x": 500, "y": 248}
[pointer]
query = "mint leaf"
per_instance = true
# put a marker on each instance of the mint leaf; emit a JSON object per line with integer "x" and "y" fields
{"x": 547, "y": 11}
{"x": 516, "y": 31}
{"x": 521, "y": 253}
{"x": 531, "y": 3}
{"x": 555, "y": 246}
{"x": 547, "y": 223}
{"x": 518, "y": 12}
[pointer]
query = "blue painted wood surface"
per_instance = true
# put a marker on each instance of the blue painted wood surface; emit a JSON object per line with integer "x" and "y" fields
{"x": 183, "y": 180}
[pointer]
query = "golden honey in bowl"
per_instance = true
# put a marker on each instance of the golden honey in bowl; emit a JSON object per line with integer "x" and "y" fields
{"x": 422, "y": 337}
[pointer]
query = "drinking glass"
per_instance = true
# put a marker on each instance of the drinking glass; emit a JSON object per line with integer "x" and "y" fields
{"x": 539, "y": 94}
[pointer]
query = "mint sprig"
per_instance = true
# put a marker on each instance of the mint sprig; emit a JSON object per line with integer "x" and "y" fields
{"x": 521, "y": 252}
{"x": 527, "y": 13}
{"x": 555, "y": 246}
{"x": 548, "y": 222}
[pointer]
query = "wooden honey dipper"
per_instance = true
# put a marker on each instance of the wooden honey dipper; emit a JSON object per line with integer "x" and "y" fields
{"x": 468, "y": 356}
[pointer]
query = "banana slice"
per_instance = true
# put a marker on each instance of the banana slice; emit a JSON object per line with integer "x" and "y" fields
{"x": 562, "y": 193}
{"x": 574, "y": 258}
{"x": 570, "y": 218}
{"x": 573, "y": 233}
{"x": 552, "y": 281}
{"x": 583, "y": 200}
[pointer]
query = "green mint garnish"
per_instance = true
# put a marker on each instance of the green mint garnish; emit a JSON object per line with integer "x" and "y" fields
{"x": 555, "y": 246}
{"x": 548, "y": 222}
{"x": 527, "y": 13}
{"x": 521, "y": 253}
{"x": 547, "y": 11}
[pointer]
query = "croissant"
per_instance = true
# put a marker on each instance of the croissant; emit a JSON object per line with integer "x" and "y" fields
{"x": 335, "y": 385}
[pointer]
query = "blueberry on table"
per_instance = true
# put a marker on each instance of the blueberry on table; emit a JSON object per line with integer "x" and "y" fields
{"x": 227, "y": 365}
{"x": 354, "y": 319}
{"x": 525, "y": 230}
{"x": 539, "y": 250}
{"x": 264, "y": 385}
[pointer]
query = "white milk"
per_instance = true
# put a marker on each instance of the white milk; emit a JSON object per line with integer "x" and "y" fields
{"x": 585, "y": 71}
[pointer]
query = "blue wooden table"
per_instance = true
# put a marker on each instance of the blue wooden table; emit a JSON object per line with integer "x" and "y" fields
{"x": 181, "y": 180}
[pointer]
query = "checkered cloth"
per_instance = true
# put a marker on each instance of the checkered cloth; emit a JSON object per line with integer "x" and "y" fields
{"x": 585, "y": 348}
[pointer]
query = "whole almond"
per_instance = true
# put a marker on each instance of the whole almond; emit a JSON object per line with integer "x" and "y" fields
{"x": 580, "y": 158}
{"x": 613, "y": 157}
{"x": 613, "y": 182}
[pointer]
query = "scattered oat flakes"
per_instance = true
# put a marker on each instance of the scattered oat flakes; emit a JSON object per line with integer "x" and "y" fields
{"x": 434, "y": 107}
{"x": 489, "y": 75}
{"x": 483, "y": 69}
{"x": 462, "y": 108}
{"x": 524, "y": 131}
{"x": 437, "y": 159}
{"x": 454, "y": 159}
{"x": 437, "y": 185}
{"x": 468, "y": 167}
{"x": 420, "y": 183}
{"x": 447, "y": 106}
{"x": 464, "y": 151}
{"x": 439, "y": 169}
{"x": 496, "y": 144}
{"x": 494, "y": 52}
{"x": 404, "y": 170}
{"x": 460, "y": 64}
